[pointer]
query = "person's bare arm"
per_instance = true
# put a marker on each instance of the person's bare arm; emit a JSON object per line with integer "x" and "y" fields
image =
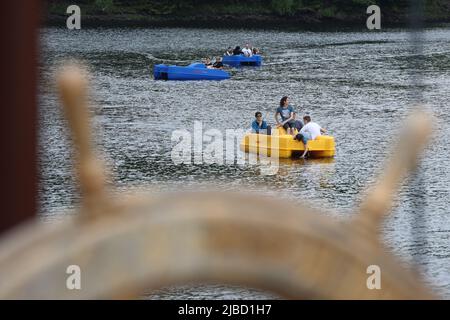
{"x": 322, "y": 130}
{"x": 292, "y": 117}
{"x": 276, "y": 119}
{"x": 302, "y": 130}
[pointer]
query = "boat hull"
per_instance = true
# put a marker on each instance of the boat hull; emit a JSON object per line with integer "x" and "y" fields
{"x": 241, "y": 60}
{"x": 192, "y": 72}
{"x": 286, "y": 146}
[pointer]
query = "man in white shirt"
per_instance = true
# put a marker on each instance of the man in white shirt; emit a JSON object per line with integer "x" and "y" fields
{"x": 310, "y": 131}
{"x": 247, "y": 51}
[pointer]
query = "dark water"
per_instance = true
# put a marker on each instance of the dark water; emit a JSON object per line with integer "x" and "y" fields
{"x": 356, "y": 84}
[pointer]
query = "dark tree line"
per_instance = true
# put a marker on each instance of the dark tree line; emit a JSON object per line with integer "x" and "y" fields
{"x": 270, "y": 7}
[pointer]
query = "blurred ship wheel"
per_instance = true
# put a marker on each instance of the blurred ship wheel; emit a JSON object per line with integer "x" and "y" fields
{"x": 126, "y": 246}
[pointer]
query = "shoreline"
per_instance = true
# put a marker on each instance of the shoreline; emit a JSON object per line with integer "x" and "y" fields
{"x": 305, "y": 21}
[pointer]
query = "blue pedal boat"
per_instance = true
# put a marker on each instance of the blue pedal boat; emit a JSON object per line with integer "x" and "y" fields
{"x": 194, "y": 71}
{"x": 241, "y": 60}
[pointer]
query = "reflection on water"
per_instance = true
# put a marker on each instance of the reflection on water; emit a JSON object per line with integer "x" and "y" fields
{"x": 209, "y": 291}
{"x": 355, "y": 84}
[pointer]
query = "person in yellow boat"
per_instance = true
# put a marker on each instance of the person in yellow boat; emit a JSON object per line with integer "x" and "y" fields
{"x": 260, "y": 126}
{"x": 309, "y": 131}
{"x": 287, "y": 115}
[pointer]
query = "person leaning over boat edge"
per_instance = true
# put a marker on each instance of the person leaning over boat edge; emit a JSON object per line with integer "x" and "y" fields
{"x": 260, "y": 126}
{"x": 310, "y": 131}
{"x": 287, "y": 114}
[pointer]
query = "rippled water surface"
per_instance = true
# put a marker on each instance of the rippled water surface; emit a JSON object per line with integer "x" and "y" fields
{"x": 356, "y": 84}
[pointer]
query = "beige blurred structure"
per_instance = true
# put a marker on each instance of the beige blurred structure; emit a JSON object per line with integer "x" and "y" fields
{"x": 126, "y": 246}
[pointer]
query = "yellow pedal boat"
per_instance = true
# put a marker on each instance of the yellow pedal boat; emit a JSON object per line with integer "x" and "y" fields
{"x": 321, "y": 147}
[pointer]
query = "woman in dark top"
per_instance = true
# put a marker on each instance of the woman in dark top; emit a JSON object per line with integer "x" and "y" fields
{"x": 208, "y": 63}
{"x": 218, "y": 64}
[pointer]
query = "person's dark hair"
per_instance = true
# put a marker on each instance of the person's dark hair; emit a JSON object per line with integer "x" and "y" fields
{"x": 258, "y": 114}
{"x": 307, "y": 118}
{"x": 283, "y": 100}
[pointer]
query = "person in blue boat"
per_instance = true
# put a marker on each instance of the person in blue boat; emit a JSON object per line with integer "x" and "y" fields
{"x": 247, "y": 51}
{"x": 237, "y": 51}
{"x": 208, "y": 63}
{"x": 260, "y": 126}
{"x": 287, "y": 115}
{"x": 229, "y": 52}
{"x": 218, "y": 64}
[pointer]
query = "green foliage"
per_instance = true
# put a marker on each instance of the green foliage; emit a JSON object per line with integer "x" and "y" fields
{"x": 282, "y": 7}
{"x": 325, "y": 8}
{"x": 328, "y": 12}
{"x": 365, "y": 3}
{"x": 105, "y": 6}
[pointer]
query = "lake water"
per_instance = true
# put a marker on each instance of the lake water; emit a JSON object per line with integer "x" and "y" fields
{"x": 358, "y": 85}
